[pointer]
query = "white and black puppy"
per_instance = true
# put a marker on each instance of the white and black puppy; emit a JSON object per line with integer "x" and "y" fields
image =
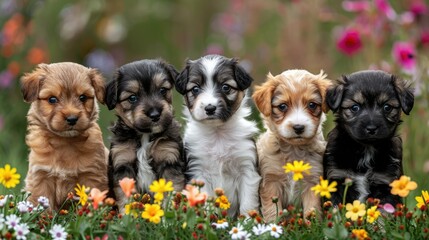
{"x": 363, "y": 145}
{"x": 218, "y": 138}
{"x": 146, "y": 142}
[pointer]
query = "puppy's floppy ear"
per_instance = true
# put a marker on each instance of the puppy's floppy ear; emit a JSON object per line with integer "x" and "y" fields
{"x": 31, "y": 82}
{"x": 405, "y": 94}
{"x": 244, "y": 80}
{"x": 170, "y": 69}
{"x": 111, "y": 95}
{"x": 263, "y": 94}
{"x": 97, "y": 81}
{"x": 334, "y": 95}
{"x": 323, "y": 84}
{"x": 182, "y": 79}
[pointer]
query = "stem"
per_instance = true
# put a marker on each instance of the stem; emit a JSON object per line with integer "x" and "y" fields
{"x": 345, "y": 193}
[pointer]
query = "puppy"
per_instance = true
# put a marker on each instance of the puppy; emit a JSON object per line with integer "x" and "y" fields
{"x": 219, "y": 144}
{"x": 66, "y": 144}
{"x": 364, "y": 146}
{"x": 146, "y": 143}
{"x": 292, "y": 106}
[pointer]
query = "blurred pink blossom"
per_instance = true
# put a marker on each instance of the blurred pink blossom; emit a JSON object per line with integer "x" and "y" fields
{"x": 349, "y": 42}
{"x": 418, "y": 7}
{"x": 214, "y": 49}
{"x": 404, "y": 55}
{"x": 388, "y": 208}
{"x": 356, "y": 6}
{"x": 385, "y": 7}
{"x": 424, "y": 38}
{"x": 406, "y": 18}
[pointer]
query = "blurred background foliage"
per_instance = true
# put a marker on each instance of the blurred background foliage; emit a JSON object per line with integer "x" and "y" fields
{"x": 339, "y": 37}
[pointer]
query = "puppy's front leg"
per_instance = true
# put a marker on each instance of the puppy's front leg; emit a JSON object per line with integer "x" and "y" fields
{"x": 269, "y": 188}
{"x": 248, "y": 195}
{"x": 168, "y": 163}
{"x": 310, "y": 200}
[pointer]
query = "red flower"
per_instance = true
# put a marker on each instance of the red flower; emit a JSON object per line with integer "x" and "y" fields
{"x": 349, "y": 42}
{"x": 404, "y": 54}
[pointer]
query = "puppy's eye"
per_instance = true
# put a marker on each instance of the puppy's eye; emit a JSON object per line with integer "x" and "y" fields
{"x": 52, "y": 100}
{"x": 196, "y": 90}
{"x": 282, "y": 107}
{"x": 312, "y": 106}
{"x": 163, "y": 91}
{"x": 355, "y": 108}
{"x": 83, "y": 98}
{"x": 387, "y": 108}
{"x": 133, "y": 99}
{"x": 226, "y": 88}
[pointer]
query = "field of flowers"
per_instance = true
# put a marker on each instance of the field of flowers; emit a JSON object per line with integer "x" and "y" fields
{"x": 339, "y": 37}
{"x": 165, "y": 214}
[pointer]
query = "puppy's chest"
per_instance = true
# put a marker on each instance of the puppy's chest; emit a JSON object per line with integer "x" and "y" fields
{"x": 145, "y": 173}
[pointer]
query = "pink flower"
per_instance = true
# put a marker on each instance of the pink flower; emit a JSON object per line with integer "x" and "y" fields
{"x": 194, "y": 195}
{"x": 388, "y": 208}
{"x": 349, "y": 42}
{"x": 356, "y": 6}
{"x": 404, "y": 55}
{"x": 418, "y": 7}
{"x": 127, "y": 186}
{"x": 97, "y": 197}
{"x": 424, "y": 38}
{"x": 385, "y": 7}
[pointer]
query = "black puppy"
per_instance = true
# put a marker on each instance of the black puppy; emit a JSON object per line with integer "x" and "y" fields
{"x": 146, "y": 144}
{"x": 364, "y": 146}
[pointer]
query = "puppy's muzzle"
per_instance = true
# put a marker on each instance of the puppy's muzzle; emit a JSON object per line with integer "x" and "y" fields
{"x": 154, "y": 114}
{"x": 210, "y": 109}
{"x": 72, "y": 120}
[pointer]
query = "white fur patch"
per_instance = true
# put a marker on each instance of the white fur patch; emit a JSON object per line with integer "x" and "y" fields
{"x": 362, "y": 186}
{"x": 297, "y": 116}
{"x": 145, "y": 175}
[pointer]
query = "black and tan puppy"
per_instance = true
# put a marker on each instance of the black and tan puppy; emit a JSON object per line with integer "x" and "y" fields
{"x": 146, "y": 144}
{"x": 364, "y": 146}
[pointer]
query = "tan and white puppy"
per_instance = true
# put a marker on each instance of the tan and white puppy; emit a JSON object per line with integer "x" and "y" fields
{"x": 65, "y": 141}
{"x": 292, "y": 105}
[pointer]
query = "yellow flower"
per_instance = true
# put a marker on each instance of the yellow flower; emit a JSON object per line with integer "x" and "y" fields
{"x": 360, "y": 234}
{"x": 223, "y": 202}
{"x": 423, "y": 200}
{"x": 81, "y": 192}
{"x": 158, "y": 197}
{"x": 403, "y": 186}
{"x": 324, "y": 188}
{"x": 355, "y": 210}
{"x": 130, "y": 210}
{"x": 372, "y": 214}
{"x": 8, "y": 176}
{"x": 153, "y": 213}
{"x": 297, "y": 168}
{"x": 161, "y": 186}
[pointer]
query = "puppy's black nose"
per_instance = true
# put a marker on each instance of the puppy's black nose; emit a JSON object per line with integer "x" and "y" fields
{"x": 298, "y": 128}
{"x": 371, "y": 129}
{"x": 71, "y": 120}
{"x": 154, "y": 114}
{"x": 210, "y": 109}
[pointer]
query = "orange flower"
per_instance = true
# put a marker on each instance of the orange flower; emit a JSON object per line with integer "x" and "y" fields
{"x": 127, "y": 185}
{"x": 13, "y": 68}
{"x": 194, "y": 195}
{"x": 402, "y": 186}
{"x": 97, "y": 197}
{"x": 36, "y": 56}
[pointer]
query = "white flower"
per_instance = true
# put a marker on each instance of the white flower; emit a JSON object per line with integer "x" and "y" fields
{"x": 275, "y": 230}
{"x": 21, "y": 231}
{"x": 12, "y": 221}
{"x": 221, "y": 224}
{"x": 44, "y": 201}
{"x": 259, "y": 229}
{"x": 3, "y": 201}
{"x": 239, "y": 233}
{"x": 58, "y": 232}
{"x": 25, "y": 206}
{"x": 1, "y": 221}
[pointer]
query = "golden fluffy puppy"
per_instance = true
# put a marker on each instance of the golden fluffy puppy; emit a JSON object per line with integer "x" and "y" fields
{"x": 292, "y": 105}
{"x": 65, "y": 141}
